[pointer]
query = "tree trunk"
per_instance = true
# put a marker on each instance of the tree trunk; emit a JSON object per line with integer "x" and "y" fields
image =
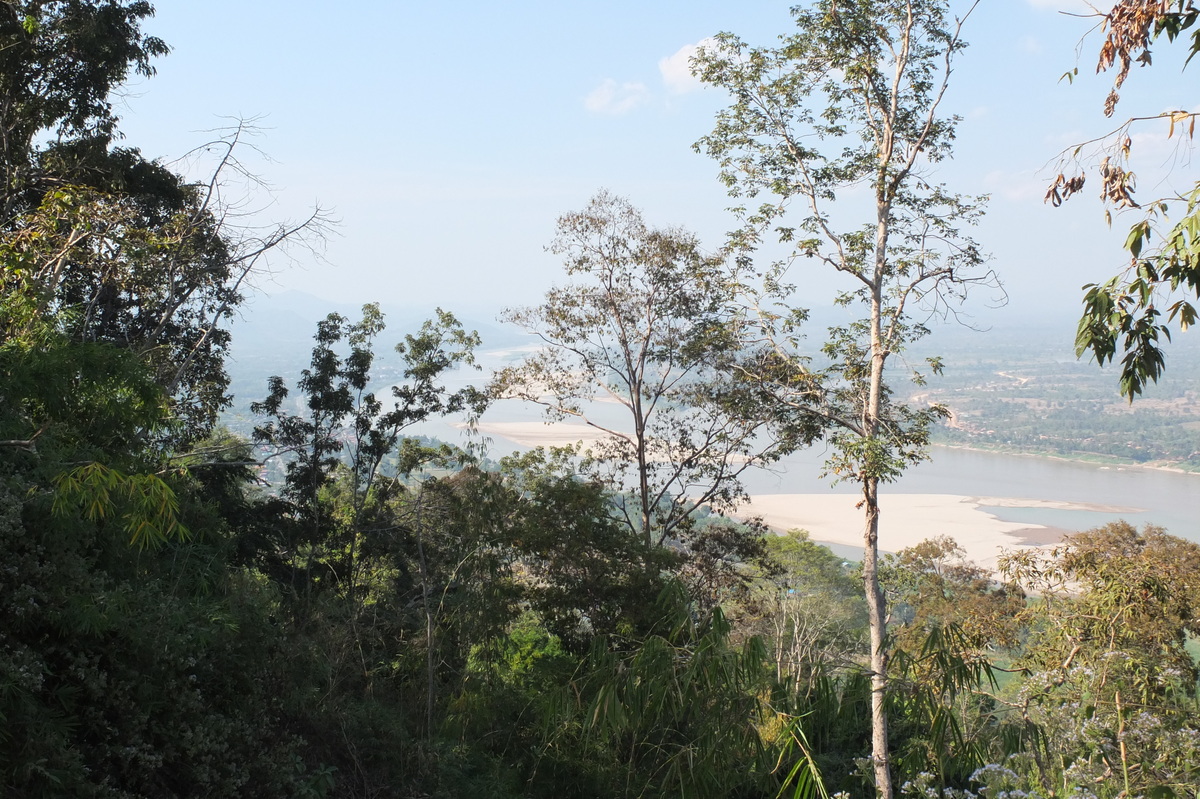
{"x": 876, "y": 605}
{"x": 426, "y": 590}
{"x": 877, "y": 616}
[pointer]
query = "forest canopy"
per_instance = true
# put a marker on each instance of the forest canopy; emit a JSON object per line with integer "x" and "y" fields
{"x": 397, "y": 616}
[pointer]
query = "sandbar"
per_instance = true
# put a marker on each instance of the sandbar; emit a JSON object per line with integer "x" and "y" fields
{"x": 905, "y": 520}
{"x": 1054, "y": 504}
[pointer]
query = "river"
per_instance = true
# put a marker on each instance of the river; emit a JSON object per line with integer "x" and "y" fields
{"x": 1168, "y": 499}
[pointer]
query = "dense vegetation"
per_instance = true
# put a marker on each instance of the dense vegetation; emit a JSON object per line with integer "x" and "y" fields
{"x": 394, "y": 617}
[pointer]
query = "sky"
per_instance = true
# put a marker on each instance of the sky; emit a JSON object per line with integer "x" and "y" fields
{"x": 446, "y": 138}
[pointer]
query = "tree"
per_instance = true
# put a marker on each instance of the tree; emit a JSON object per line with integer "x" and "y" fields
{"x": 59, "y": 63}
{"x": 125, "y": 251}
{"x": 1112, "y": 681}
{"x": 113, "y": 246}
{"x": 347, "y": 427}
{"x": 115, "y": 272}
{"x": 812, "y": 608}
{"x": 585, "y": 573}
{"x": 648, "y": 327}
{"x": 937, "y": 587}
{"x": 1119, "y": 600}
{"x": 866, "y": 79}
{"x": 1128, "y": 316}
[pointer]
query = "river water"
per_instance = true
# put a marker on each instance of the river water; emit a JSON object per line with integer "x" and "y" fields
{"x": 1168, "y": 499}
{"x": 1144, "y": 496}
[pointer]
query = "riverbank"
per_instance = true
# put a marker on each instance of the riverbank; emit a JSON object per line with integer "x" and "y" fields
{"x": 988, "y": 501}
{"x": 908, "y": 519}
{"x": 546, "y": 434}
{"x": 1092, "y": 459}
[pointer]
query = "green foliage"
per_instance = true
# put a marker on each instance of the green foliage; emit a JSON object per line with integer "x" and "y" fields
{"x": 585, "y": 573}
{"x": 59, "y": 63}
{"x": 932, "y": 587}
{"x": 98, "y": 244}
{"x": 1116, "y": 600}
{"x": 140, "y": 261}
{"x": 1111, "y": 682}
{"x": 86, "y": 400}
{"x": 1131, "y": 314}
{"x": 941, "y": 719}
{"x": 158, "y": 676}
{"x": 335, "y": 388}
{"x": 338, "y": 444}
{"x": 809, "y": 608}
{"x": 501, "y": 707}
{"x": 680, "y": 713}
{"x": 810, "y": 566}
{"x": 1122, "y": 316}
{"x": 145, "y": 504}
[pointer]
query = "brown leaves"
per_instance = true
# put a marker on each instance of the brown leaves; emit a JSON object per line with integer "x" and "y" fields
{"x": 1129, "y": 25}
{"x": 1062, "y": 188}
{"x": 1183, "y": 116}
{"x": 1118, "y": 185}
{"x": 1110, "y": 103}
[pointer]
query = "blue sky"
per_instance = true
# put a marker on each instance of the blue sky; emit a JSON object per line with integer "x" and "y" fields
{"x": 447, "y": 137}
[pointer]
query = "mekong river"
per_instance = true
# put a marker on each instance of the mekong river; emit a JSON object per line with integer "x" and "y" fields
{"x": 1169, "y": 499}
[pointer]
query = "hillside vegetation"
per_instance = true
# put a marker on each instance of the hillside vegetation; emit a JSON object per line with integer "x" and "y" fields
{"x": 330, "y": 606}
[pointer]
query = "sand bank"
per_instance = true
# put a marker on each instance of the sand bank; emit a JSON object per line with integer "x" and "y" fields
{"x": 905, "y": 520}
{"x": 1053, "y": 504}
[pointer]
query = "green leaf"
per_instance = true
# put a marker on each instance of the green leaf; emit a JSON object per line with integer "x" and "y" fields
{"x": 145, "y": 503}
{"x": 1137, "y": 234}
